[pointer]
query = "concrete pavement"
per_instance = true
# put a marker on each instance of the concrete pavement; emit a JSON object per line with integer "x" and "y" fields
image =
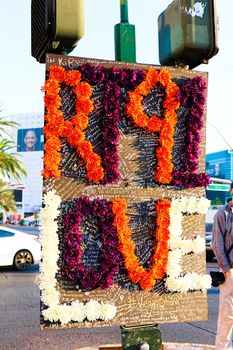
{"x": 165, "y": 346}
{"x": 19, "y": 322}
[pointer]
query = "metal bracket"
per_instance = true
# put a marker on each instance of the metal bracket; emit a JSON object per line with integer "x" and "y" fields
{"x": 146, "y": 337}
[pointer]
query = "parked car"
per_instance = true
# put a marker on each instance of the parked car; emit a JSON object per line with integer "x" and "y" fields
{"x": 18, "y": 249}
{"x": 208, "y": 238}
{"x": 26, "y": 222}
{"x": 14, "y": 222}
{"x": 35, "y": 223}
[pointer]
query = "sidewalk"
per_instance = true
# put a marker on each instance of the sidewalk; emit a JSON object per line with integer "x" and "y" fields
{"x": 177, "y": 346}
{"x": 166, "y": 346}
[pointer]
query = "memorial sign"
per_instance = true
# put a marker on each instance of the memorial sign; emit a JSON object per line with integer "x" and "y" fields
{"x": 124, "y": 194}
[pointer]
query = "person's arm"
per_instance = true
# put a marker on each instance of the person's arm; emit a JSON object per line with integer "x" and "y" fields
{"x": 218, "y": 246}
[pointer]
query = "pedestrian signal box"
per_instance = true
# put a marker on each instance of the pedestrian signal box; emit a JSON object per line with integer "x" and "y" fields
{"x": 188, "y": 33}
{"x": 56, "y": 26}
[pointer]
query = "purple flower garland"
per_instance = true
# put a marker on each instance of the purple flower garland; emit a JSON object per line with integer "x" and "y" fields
{"x": 192, "y": 94}
{"x": 111, "y": 134}
{"x": 73, "y": 268}
{"x": 190, "y": 180}
{"x": 113, "y": 80}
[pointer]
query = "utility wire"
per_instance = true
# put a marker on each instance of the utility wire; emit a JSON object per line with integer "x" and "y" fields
{"x": 220, "y": 134}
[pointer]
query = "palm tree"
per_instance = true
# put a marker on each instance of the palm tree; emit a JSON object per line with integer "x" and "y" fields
{"x": 7, "y": 200}
{"x": 5, "y": 123}
{"x": 10, "y": 164}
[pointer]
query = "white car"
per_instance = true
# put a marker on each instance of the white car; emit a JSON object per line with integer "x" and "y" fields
{"x": 18, "y": 249}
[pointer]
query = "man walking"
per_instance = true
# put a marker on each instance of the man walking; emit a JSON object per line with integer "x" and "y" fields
{"x": 222, "y": 241}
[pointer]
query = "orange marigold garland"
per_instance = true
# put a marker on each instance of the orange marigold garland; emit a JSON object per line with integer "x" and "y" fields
{"x": 73, "y": 130}
{"x": 166, "y": 126}
{"x": 137, "y": 273}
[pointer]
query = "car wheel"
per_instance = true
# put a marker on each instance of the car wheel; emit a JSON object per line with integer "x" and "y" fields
{"x": 23, "y": 259}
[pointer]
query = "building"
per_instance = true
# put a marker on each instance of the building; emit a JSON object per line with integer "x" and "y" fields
{"x": 219, "y": 165}
{"x": 29, "y": 141}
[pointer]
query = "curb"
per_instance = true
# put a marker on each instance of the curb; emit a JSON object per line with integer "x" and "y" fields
{"x": 187, "y": 346}
{"x": 165, "y": 346}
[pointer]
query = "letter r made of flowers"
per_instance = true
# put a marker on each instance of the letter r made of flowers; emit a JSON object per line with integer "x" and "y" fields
{"x": 72, "y": 130}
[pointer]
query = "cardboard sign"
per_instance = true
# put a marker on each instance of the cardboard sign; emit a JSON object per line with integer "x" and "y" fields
{"x": 124, "y": 194}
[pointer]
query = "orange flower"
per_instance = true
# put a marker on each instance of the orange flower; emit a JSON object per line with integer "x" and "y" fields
{"x": 151, "y": 124}
{"x": 95, "y": 175}
{"x": 75, "y": 137}
{"x": 72, "y": 77}
{"x": 57, "y": 73}
{"x": 85, "y": 148}
{"x": 137, "y": 273}
{"x": 83, "y": 91}
{"x": 80, "y": 120}
{"x": 51, "y": 100}
{"x": 86, "y": 106}
{"x": 73, "y": 130}
{"x": 52, "y": 86}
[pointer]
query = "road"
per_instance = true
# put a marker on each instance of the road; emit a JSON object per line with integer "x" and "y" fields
{"x": 19, "y": 320}
{"x": 27, "y": 229}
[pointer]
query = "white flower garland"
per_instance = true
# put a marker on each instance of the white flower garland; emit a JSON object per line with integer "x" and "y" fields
{"x": 94, "y": 310}
{"x": 76, "y": 311}
{"x": 179, "y": 247}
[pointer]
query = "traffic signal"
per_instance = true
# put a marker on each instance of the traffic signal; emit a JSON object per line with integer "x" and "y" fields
{"x": 188, "y": 33}
{"x": 56, "y": 26}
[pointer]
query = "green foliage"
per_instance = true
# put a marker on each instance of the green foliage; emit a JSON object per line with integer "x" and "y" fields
{"x": 3, "y": 126}
{"x": 7, "y": 200}
{"x": 21, "y": 222}
{"x": 216, "y": 203}
{"x": 10, "y": 163}
{"x": 36, "y": 216}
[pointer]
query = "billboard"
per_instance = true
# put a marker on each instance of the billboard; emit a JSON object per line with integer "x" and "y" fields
{"x": 29, "y": 140}
{"x": 216, "y": 169}
{"x": 30, "y": 132}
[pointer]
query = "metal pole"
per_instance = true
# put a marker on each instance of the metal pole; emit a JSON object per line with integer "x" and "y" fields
{"x": 124, "y": 11}
{"x": 124, "y": 34}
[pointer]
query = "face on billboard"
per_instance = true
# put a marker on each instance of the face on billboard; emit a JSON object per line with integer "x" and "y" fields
{"x": 30, "y": 140}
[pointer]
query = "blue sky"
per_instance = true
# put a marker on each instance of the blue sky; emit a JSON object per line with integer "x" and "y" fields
{"x": 22, "y": 76}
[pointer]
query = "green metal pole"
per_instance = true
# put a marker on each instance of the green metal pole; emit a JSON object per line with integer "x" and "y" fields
{"x": 124, "y": 33}
{"x": 124, "y": 11}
